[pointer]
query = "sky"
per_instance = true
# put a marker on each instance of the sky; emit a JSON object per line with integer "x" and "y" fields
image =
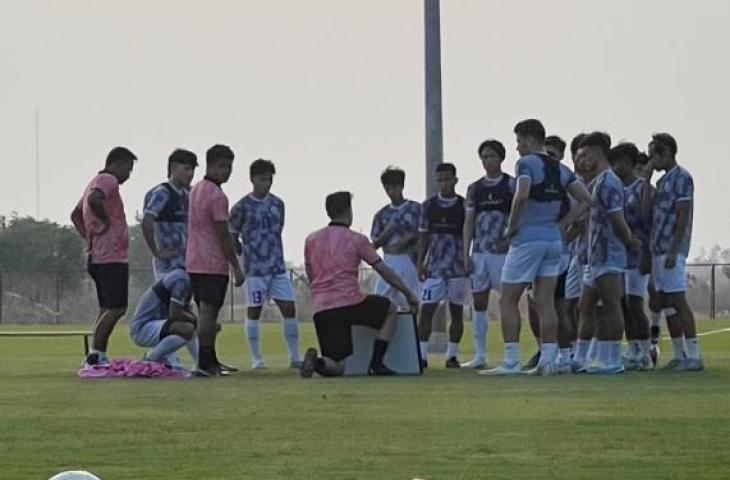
{"x": 332, "y": 91}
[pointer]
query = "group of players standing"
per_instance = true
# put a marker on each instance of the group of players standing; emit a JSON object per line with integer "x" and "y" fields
{"x": 586, "y": 245}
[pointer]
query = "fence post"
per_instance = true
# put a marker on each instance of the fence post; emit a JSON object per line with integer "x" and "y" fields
{"x": 712, "y": 293}
{"x": 1, "y": 297}
{"x": 58, "y": 297}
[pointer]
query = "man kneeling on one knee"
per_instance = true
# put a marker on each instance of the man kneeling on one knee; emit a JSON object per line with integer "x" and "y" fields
{"x": 164, "y": 320}
{"x": 332, "y": 257}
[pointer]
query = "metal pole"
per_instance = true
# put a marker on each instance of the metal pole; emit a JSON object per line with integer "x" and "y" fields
{"x": 37, "y": 167}
{"x": 712, "y": 293}
{"x": 1, "y": 297}
{"x": 58, "y": 297}
{"x": 434, "y": 126}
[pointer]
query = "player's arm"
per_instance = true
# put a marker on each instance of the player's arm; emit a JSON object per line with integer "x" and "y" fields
{"x": 148, "y": 232}
{"x": 622, "y": 229}
{"x": 682, "y": 224}
{"x": 646, "y": 200}
{"x": 379, "y": 240}
{"x": 77, "y": 219}
{"x": 226, "y": 244}
{"x": 583, "y": 202}
{"x": 423, "y": 241}
{"x": 522, "y": 193}
{"x": 97, "y": 204}
{"x": 178, "y": 313}
{"x": 395, "y": 281}
{"x": 468, "y": 234}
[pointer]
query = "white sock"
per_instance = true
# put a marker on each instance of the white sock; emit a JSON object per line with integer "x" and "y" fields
{"x": 602, "y": 352}
{"x": 252, "y": 335}
{"x": 644, "y": 346}
{"x": 633, "y": 349}
{"x": 481, "y": 326}
{"x": 512, "y": 353}
{"x": 548, "y": 352}
{"x": 192, "y": 347}
{"x": 656, "y": 319}
{"x": 581, "y": 351}
{"x": 592, "y": 350}
{"x": 166, "y": 346}
{"x": 693, "y": 348}
{"x": 424, "y": 350}
{"x": 668, "y": 312}
{"x": 678, "y": 344}
{"x": 614, "y": 353}
{"x": 291, "y": 335}
{"x": 452, "y": 349}
{"x": 564, "y": 356}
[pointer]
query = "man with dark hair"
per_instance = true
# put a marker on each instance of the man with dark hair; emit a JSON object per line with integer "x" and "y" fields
{"x": 671, "y": 234}
{"x": 441, "y": 262}
{"x": 211, "y": 253}
{"x": 555, "y": 147}
{"x": 257, "y": 221}
{"x": 637, "y": 211}
{"x": 488, "y": 202}
{"x": 165, "y": 220}
{"x": 332, "y": 257}
{"x": 395, "y": 230}
{"x": 535, "y": 252}
{"x": 99, "y": 218}
{"x": 609, "y": 238}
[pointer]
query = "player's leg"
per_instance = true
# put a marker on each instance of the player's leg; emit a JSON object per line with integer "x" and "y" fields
{"x": 210, "y": 293}
{"x": 282, "y": 291}
{"x": 565, "y": 328}
{"x": 173, "y": 336}
{"x": 457, "y": 297}
{"x": 256, "y": 289}
{"x": 480, "y": 284}
{"x": 112, "y": 283}
{"x": 610, "y": 291}
{"x": 544, "y": 296}
{"x": 533, "y": 318}
{"x": 432, "y": 292}
{"x": 587, "y": 312}
{"x": 674, "y": 286}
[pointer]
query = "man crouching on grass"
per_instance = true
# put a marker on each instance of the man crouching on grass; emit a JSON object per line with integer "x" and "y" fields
{"x": 332, "y": 258}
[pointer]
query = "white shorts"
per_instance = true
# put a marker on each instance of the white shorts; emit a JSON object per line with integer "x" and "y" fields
{"x": 636, "y": 284}
{"x": 148, "y": 334}
{"x": 574, "y": 280}
{"x": 403, "y": 266}
{"x": 527, "y": 261}
{"x": 436, "y": 289}
{"x": 666, "y": 280}
{"x": 591, "y": 274}
{"x": 260, "y": 290}
{"x": 487, "y": 271}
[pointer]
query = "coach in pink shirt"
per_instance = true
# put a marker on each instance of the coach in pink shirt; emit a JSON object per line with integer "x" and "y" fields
{"x": 210, "y": 253}
{"x": 99, "y": 218}
{"x": 332, "y": 258}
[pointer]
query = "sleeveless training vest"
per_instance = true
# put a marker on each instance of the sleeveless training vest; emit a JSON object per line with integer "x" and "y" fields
{"x": 493, "y": 198}
{"x": 446, "y": 219}
{"x": 551, "y": 189}
{"x": 173, "y": 211}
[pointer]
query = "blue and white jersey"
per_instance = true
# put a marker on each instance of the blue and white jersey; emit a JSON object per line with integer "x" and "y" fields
{"x": 491, "y": 200}
{"x": 639, "y": 226}
{"x": 549, "y": 180}
{"x": 258, "y": 223}
{"x": 404, "y": 217}
{"x": 674, "y": 187}
{"x": 604, "y": 247}
{"x": 169, "y": 205}
{"x": 173, "y": 287}
{"x": 443, "y": 219}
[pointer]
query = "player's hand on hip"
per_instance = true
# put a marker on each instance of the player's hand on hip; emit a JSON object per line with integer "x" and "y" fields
{"x": 670, "y": 261}
{"x": 413, "y": 302}
{"x": 422, "y": 273}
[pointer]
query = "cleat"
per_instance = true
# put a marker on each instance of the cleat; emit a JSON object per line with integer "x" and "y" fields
{"x": 503, "y": 369}
{"x": 295, "y": 364}
{"x": 259, "y": 364}
{"x": 226, "y": 369}
{"x": 543, "y": 370}
{"x": 452, "y": 362}
{"x": 209, "y": 372}
{"x": 308, "y": 364}
{"x": 694, "y": 365}
{"x": 674, "y": 365}
{"x": 532, "y": 362}
{"x": 476, "y": 363}
{"x": 599, "y": 369}
{"x": 380, "y": 370}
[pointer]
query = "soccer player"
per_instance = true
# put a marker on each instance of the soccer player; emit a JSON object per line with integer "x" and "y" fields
{"x": 164, "y": 320}
{"x": 395, "y": 229}
{"x": 609, "y": 238}
{"x": 637, "y": 211}
{"x": 99, "y": 218}
{"x": 536, "y": 246}
{"x": 256, "y": 223}
{"x": 165, "y": 220}
{"x": 211, "y": 253}
{"x": 332, "y": 257}
{"x": 488, "y": 202}
{"x": 441, "y": 262}
{"x": 670, "y": 239}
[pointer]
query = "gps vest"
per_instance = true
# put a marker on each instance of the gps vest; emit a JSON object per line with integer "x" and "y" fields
{"x": 446, "y": 219}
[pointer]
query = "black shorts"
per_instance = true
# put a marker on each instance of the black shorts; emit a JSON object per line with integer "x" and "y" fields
{"x": 333, "y": 326}
{"x": 560, "y": 285}
{"x": 112, "y": 284}
{"x": 209, "y": 288}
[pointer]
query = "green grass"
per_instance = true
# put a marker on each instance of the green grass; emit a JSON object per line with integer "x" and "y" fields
{"x": 443, "y": 425}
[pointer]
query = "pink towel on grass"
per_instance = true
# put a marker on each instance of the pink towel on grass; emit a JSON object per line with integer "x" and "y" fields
{"x": 128, "y": 368}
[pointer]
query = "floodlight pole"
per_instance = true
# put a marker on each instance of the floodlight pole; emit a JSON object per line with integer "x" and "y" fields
{"x": 434, "y": 127}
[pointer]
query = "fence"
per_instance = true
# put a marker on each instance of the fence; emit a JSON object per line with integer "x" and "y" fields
{"x": 57, "y": 297}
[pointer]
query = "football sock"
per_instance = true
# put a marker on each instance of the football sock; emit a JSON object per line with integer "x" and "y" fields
{"x": 452, "y": 350}
{"x": 424, "y": 350}
{"x": 678, "y": 344}
{"x": 548, "y": 352}
{"x": 192, "y": 347}
{"x": 252, "y": 335}
{"x": 166, "y": 346}
{"x": 693, "y": 348}
{"x": 291, "y": 334}
{"x": 581, "y": 351}
{"x": 512, "y": 353}
{"x": 379, "y": 352}
{"x": 481, "y": 326}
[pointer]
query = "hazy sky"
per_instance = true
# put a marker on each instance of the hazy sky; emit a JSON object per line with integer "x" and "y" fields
{"x": 332, "y": 91}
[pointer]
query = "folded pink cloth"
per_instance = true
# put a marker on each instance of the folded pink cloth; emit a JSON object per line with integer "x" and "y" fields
{"x": 128, "y": 368}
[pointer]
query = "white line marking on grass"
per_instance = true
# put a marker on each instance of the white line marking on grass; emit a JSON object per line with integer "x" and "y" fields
{"x": 711, "y": 332}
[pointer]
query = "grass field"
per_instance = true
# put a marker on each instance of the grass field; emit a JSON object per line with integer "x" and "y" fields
{"x": 443, "y": 425}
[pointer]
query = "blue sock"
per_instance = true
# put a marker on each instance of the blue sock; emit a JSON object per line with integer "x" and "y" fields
{"x": 166, "y": 346}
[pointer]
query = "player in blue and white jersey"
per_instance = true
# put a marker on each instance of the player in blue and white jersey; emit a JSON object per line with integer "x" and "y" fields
{"x": 441, "y": 262}
{"x": 637, "y": 212}
{"x": 671, "y": 233}
{"x": 256, "y": 223}
{"x": 536, "y": 246}
{"x": 488, "y": 203}
{"x": 164, "y": 320}
{"x": 395, "y": 230}
{"x": 165, "y": 217}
